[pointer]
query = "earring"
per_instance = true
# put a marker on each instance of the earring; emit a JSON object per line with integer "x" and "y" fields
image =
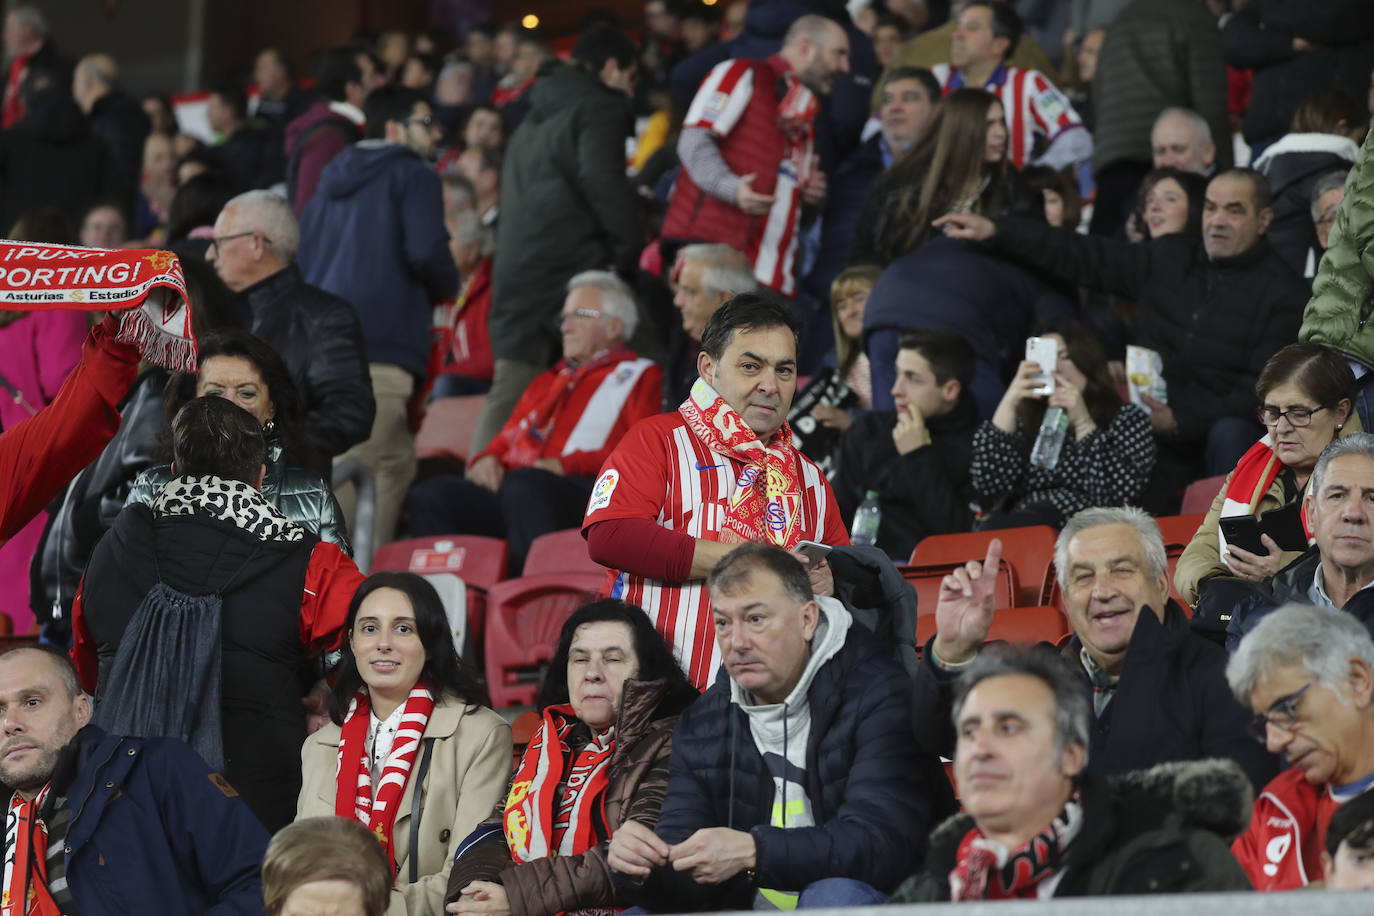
{"x": 270, "y": 426}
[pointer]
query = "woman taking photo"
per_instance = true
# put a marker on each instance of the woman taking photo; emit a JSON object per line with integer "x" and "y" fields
{"x": 1305, "y": 393}
{"x": 412, "y": 751}
{"x": 1108, "y": 448}
{"x": 608, "y": 706}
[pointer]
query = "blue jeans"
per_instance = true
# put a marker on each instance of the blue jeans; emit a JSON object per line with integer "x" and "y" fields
{"x": 833, "y": 892}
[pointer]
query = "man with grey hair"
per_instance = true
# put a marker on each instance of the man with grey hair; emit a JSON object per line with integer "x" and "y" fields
{"x": 706, "y": 275}
{"x": 1037, "y": 824}
{"x": 536, "y": 475}
{"x": 460, "y": 361}
{"x": 1182, "y": 139}
{"x": 116, "y": 118}
{"x": 1336, "y": 575}
{"x": 1159, "y": 692}
{"x": 29, "y": 55}
{"x": 1308, "y": 674}
{"x": 1328, "y": 191}
{"x": 316, "y": 332}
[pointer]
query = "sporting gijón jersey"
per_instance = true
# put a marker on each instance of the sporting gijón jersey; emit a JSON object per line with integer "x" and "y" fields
{"x": 661, "y": 471}
{"x": 1032, "y": 105}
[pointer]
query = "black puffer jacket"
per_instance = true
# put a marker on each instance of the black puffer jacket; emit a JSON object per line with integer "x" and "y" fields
{"x": 319, "y": 336}
{"x": 1293, "y": 165}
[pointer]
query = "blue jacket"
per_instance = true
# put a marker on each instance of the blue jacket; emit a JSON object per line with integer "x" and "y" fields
{"x": 154, "y": 831}
{"x": 868, "y": 795}
{"x": 374, "y": 235}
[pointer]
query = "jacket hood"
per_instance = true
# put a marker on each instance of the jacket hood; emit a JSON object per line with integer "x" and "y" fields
{"x": 560, "y": 86}
{"x": 1299, "y": 156}
{"x": 359, "y": 164}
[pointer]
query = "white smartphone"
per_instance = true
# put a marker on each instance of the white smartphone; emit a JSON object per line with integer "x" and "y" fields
{"x": 1045, "y": 351}
{"x": 814, "y": 552}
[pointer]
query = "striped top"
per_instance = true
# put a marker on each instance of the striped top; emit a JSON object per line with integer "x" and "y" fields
{"x": 1033, "y": 107}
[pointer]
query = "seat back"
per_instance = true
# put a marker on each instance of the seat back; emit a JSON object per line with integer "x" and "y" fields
{"x": 524, "y": 619}
{"x": 1024, "y": 626}
{"x": 480, "y": 561}
{"x": 446, "y": 430}
{"x": 926, "y": 581}
{"x": 1029, "y": 551}
{"x": 454, "y": 594}
{"x": 1197, "y": 498}
{"x": 561, "y": 551}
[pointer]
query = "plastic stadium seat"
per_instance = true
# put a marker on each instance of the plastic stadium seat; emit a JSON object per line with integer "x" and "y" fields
{"x": 453, "y": 592}
{"x": 1029, "y": 551}
{"x": 561, "y": 551}
{"x": 926, "y": 580}
{"x": 1200, "y": 493}
{"x": 479, "y": 561}
{"x": 1019, "y": 625}
{"x": 446, "y": 430}
{"x": 521, "y": 731}
{"x": 524, "y": 618}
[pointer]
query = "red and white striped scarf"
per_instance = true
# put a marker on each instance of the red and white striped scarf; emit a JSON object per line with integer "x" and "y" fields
{"x": 26, "y": 860}
{"x": 1254, "y": 474}
{"x": 355, "y": 795}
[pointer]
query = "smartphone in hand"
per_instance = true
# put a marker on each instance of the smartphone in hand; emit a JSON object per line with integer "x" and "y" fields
{"x": 1045, "y": 351}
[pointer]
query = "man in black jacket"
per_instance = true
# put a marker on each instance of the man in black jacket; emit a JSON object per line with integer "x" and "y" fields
{"x": 116, "y": 118}
{"x": 1215, "y": 313}
{"x": 1159, "y": 691}
{"x": 316, "y": 332}
{"x": 918, "y": 456}
{"x": 794, "y": 779}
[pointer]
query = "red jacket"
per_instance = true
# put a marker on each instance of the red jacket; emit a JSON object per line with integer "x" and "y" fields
{"x": 578, "y": 415}
{"x": 460, "y": 343}
{"x": 41, "y": 455}
{"x": 1282, "y": 848}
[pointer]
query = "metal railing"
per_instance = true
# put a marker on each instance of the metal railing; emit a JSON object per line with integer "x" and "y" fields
{"x": 351, "y": 470}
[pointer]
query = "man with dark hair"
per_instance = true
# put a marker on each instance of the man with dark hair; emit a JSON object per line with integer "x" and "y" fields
{"x": 245, "y": 148}
{"x": 1037, "y": 823}
{"x": 100, "y": 823}
{"x": 566, "y": 207}
{"x": 374, "y": 234}
{"x": 481, "y": 166}
{"x": 916, "y": 457}
{"x": 1348, "y": 862}
{"x": 683, "y": 487}
{"x": 1043, "y": 128}
{"x": 279, "y": 100}
{"x": 332, "y": 123}
{"x": 278, "y": 593}
{"x": 794, "y": 780}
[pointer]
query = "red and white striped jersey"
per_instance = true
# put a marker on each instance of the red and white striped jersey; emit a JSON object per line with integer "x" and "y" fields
{"x": 1032, "y": 105}
{"x": 661, "y": 471}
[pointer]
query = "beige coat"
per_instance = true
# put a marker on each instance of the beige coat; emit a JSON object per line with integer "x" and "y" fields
{"x": 469, "y": 770}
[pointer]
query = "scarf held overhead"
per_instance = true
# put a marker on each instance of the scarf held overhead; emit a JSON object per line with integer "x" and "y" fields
{"x": 147, "y": 284}
{"x": 767, "y": 501}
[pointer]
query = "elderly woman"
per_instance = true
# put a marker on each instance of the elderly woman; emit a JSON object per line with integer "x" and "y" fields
{"x": 608, "y": 706}
{"x": 1306, "y": 393}
{"x": 412, "y": 751}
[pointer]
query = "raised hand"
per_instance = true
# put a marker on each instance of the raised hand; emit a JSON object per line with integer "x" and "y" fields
{"x": 964, "y": 612}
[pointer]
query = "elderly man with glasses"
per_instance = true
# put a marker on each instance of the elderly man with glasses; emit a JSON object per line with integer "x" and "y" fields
{"x": 1308, "y": 674}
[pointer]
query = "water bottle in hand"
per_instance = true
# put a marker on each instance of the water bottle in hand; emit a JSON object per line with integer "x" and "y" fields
{"x": 1050, "y": 440}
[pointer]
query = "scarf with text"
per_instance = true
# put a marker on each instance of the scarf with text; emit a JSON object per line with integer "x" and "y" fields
{"x": 535, "y": 827}
{"x": 1254, "y": 474}
{"x": 147, "y": 284}
{"x": 26, "y": 853}
{"x": 986, "y": 870}
{"x": 767, "y": 501}
{"x": 526, "y": 438}
{"x": 375, "y": 806}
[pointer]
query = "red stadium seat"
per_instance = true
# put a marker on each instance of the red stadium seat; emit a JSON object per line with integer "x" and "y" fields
{"x": 1029, "y": 551}
{"x": 561, "y": 551}
{"x": 446, "y": 430}
{"x": 926, "y": 580}
{"x": 1020, "y": 625}
{"x": 479, "y": 561}
{"x": 1200, "y": 493}
{"x": 523, "y": 620}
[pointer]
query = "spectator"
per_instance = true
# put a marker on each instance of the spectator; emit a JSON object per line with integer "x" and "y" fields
{"x": 567, "y": 207}
{"x": 481, "y": 165}
{"x": 512, "y": 94}
{"x": 1294, "y": 52}
{"x": 1306, "y": 394}
{"x": 407, "y": 720}
{"x": 1182, "y": 139}
{"x": 535, "y": 477}
{"x": 888, "y": 33}
{"x": 374, "y": 234}
{"x": 608, "y": 703}
{"x": 325, "y": 864}
{"x": 1035, "y": 111}
{"x": 1171, "y": 201}
{"x": 32, "y": 60}
{"x": 317, "y": 333}
{"x": 419, "y": 72}
{"x": 1158, "y": 55}
{"x": 1307, "y": 654}
{"x": 848, "y": 299}
{"x": 392, "y": 48}
{"x": 1107, "y": 449}
{"x": 1346, "y": 860}
{"x": 931, "y": 47}
{"x": 1325, "y": 134}
{"x": 1158, "y": 690}
{"x": 480, "y": 48}
{"x": 1037, "y": 824}
{"x": 460, "y": 346}
{"x": 104, "y": 226}
{"x": 804, "y": 684}
{"x": 699, "y": 27}
{"x": 50, "y": 159}
{"x": 213, "y": 578}
{"x": 748, "y": 160}
{"x": 732, "y": 24}
{"x": 246, "y": 148}
{"x": 662, "y": 48}
{"x": 648, "y": 516}
{"x": 195, "y": 207}
{"x": 102, "y": 823}
{"x": 1058, "y": 192}
{"x": 707, "y": 277}
{"x": 453, "y": 97}
{"x": 115, "y": 118}
{"x": 1328, "y": 192}
{"x": 332, "y": 123}
{"x": 1210, "y": 355}
{"x": 916, "y": 457}
{"x": 161, "y": 118}
{"x": 483, "y": 127}
{"x": 279, "y": 100}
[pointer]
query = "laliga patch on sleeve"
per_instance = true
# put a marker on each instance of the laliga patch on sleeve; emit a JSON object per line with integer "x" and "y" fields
{"x": 716, "y": 104}
{"x": 601, "y": 493}
{"x": 223, "y": 785}
{"x": 1051, "y": 105}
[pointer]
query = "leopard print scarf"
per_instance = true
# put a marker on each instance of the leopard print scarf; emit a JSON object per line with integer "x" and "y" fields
{"x": 228, "y": 500}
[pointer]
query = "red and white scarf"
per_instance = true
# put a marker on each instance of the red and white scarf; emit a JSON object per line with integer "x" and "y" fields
{"x": 1254, "y": 474}
{"x": 986, "y": 870}
{"x": 767, "y": 502}
{"x": 145, "y": 281}
{"x": 26, "y": 860}
{"x": 527, "y": 437}
{"x": 355, "y": 795}
{"x": 797, "y": 110}
{"x": 534, "y": 828}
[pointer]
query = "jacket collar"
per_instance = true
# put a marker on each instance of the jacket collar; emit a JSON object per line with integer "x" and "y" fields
{"x": 1150, "y": 639}
{"x": 1256, "y": 254}
{"x": 269, "y": 289}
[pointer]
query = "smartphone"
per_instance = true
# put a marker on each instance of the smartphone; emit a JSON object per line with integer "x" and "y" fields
{"x": 1243, "y": 531}
{"x": 813, "y": 552}
{"x": 1284, "y": 525}
{"x": 1045, "y": 351}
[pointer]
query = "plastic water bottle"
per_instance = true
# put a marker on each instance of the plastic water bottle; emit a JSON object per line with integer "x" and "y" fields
{"x": 1050, "y": 440}
{"x": 867, "y": 517}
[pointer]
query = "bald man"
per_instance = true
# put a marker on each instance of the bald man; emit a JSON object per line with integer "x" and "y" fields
{"x": 116, "y": 118}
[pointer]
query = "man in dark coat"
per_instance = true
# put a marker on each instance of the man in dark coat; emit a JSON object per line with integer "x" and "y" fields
{"x": 51, "y": 159}
{"x": 116, "y": 118}
{"x": 1158, "y": 690}
{"x": 794, "y": 779}
{"x": 31, "y": 62}
{"x": 566, "y": 207}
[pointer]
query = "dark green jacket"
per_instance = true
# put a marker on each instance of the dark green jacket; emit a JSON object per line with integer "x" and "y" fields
{"x": 1163, "y": 830}
{"x": 566, "y": 207}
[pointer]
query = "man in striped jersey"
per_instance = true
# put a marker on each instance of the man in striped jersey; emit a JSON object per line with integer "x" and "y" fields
{"x": 1043, "y": 128}
{"x": 682, "y": 488}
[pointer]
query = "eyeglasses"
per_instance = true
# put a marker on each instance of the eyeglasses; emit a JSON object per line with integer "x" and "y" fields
{"x": 1297, "y": 416}
{"x": 426, "y": 121}
{"x": 1282, "y": 715}
{"x": 219, "y": 240}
